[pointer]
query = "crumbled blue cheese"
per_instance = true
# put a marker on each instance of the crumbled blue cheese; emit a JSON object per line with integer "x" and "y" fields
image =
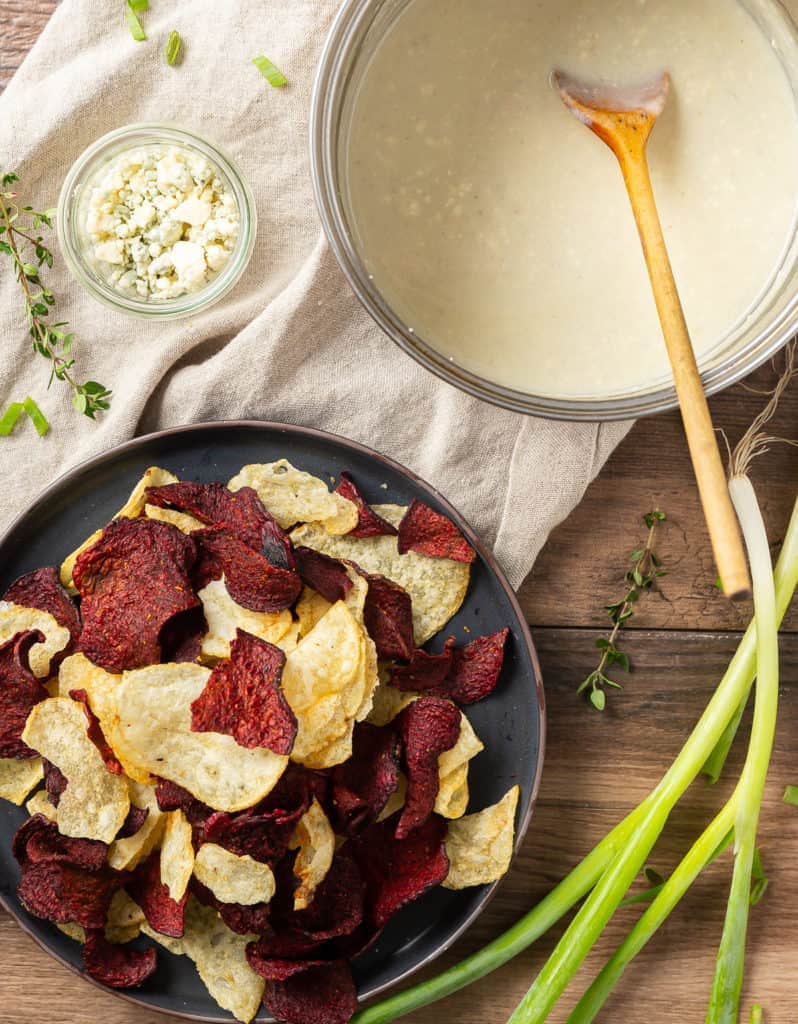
{"x": 161, "y": 222}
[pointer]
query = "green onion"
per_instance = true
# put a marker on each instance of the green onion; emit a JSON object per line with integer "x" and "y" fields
{"x": 10, "y": 417}
{"x": 37, "y": 417}
{"x": 135, "y": 26}
{"x": 270, "y": 72}
{"x": 756, "y": 1015}
{"x": 791, "y": 796}
{"x": 138, "y": 5}
{"x": 173, "y": 46}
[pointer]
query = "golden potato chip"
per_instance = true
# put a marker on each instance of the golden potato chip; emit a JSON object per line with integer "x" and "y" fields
{"x": 224, "y": 617}
{"x": 310, "y": 608}
{"x": 16, "y": 619}
{"x": 468, "y": 745}
{"x": 132, "y": 509}
{"x": 76, "y": 932}
{"x": 185, "y": 522}
{"x": 177, "y": 854}
{"x": 396, "y": 800}
{"x": 124, "y": 920}
{"x": 233, "y": 879}
{"x": 451, "y": 800}
{"x": 437, "y": 586}
{"x": 128, "y": 853}
{"x": 153, "y": 731}
{"x": 95, "y": 803}
{"x": 480, "y": 846}
{"x": 220, "y": 958}
{"x": 388, "y": 702}
{"x": 292, "y": 497}
{"x": 18, "y": 776}
{"x": 315, "y": 839}
{"x": 39, "y": 803}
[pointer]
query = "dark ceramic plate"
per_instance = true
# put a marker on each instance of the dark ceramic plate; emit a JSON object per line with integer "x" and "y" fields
{"x": 510, "y": 722}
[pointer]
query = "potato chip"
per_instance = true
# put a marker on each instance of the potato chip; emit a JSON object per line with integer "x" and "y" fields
{"x": 133, "y": 507}
{"x": 220, "y": 958}
{"x": 480, "y": 846}
{"x": 153, "y": 731}
{"x": 437, "y": 586}
{"x": 18, "y": 776}
{"x": 453, "y": 794}
{"x": 233, "y": 879}
{"x": 225, "y": 617}
{"x": 182, "y": 520}
{"x": 388, "y": 702}
{"x": 74, "y": 931}
{"x": 310, "y": 608}
{"x": 126, "y": 854}
{"x": 177, "y": 854}
{"x": 16, "y": 619}
{"x": 468, "y": 745}
{"x": 95, "y": 803}
{"x": 292, "y": 496}
{"x": 315, "y": 840}
{"x": 40, "y": 803}
{"x": 125, "y": 918}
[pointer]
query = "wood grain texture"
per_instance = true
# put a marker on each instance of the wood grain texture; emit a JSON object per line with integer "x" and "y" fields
{"x": 597, "y": 767}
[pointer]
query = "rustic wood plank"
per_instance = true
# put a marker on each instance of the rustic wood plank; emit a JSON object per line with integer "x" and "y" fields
{"x": 21, "y": 22}
{"x": 597, "y": 767}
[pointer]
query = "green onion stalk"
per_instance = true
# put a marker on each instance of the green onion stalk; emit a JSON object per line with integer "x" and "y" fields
{"x": 607, "y": 872}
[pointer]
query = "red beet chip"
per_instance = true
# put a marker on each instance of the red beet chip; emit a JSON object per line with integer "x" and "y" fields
{"x": 96, "y": 735}
{"x": 251, "y": 579}
{"x": 243, "y": 698}
{"x": 327, "y": 576}
{"x": 429, "y": 533}
{"x": 274, "y": 969}
{"x": 181, "y": 637}
{"x": 163, "y": 914}
{"x": 243, "y": 920}
{"x": 286, "y": 944}
{"x": 369, "y": 524}
{"x": 398, "y": 871}
{"x": 134, "y": 821}
{"x": 55, "y": 782}
{"x": 59, "y": 892}
{"x": 388, "y": 615}
{"x": 38, "y": 840}
{"x": 362, "y": 785}
{"x": 425, "y": 673}
{"x": 131, "y": 582}
{"x": 42, "y": 589}
{"x": 337, "y": 908}
{"x": 117, "y": 966}
{"x": 20, "y": 691}
{"x": 323, "y": 994}
{"x": 171, "y": 797}
{"x": 476, "y": 668}
{"x": 428, "y": 726}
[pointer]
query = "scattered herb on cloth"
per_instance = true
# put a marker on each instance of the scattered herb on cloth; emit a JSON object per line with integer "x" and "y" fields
{"x": 270, "y": 72}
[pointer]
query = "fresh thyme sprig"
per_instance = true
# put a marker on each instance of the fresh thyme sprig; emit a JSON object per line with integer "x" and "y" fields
{"x": 646, "y": 570}
{"x": 19, "y": 231}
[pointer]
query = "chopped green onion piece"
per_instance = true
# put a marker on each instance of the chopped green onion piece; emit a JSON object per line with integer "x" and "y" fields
{"x": 173, "y": 46}
{"x": 138, "y": 5}
{"x": 10, "y": 417}
{"x": 759, "y": 880}
{"x": 270, "y": 72}
{"x": 791, "y": 796}
{"x": 135, "y": 26}
{"x": 756, "y": 1015}
{"x": 37, "y": 417}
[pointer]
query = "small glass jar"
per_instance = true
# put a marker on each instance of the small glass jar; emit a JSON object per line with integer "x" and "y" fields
{"x": 77, "y": 247}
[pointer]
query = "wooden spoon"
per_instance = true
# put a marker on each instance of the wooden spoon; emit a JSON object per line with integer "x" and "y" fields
{"x": 624, "y": 120}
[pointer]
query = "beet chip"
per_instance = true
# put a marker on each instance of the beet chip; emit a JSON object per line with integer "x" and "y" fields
{"x": 476, "y": 668}
{"x": 286, "y": 944}
{"x": 425, "y": 673}
{"x": 274, "y": 969}
{"x": 59, "y": 892}
{"x": 398, "y": 871}
{"x": 55, "y": 782}
{"x": 243, "y": 698}
{"x": 38, "y": 840}
{"x": 322, "y": 994}
{"x": 181, "y": 637}
{"x": 336, "y": 909}
{"x": 171, "y": 797}
{"x": 327, "y": 576}
{"x": 163, "y": 914}
{"x": 429, "y": 533}
{"x": 215, "y": 505}
{"x": 251, "y": 579}
{"x": 95, "y": 733}
{"x": 20, "y": 690}
{"x": 388, "y": 615}
{"x": 369, "y": 524}
{"x": 362, "y": 785}
{"x": 429, "y": 726}
{"x": 249, "y": 920}
{"x": 117, "y": 966}
{"x": 42, "y": 589}
{"x": 131, "y": 582}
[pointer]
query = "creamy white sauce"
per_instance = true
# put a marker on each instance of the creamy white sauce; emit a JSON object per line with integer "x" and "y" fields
{"x": 498, "y": 227}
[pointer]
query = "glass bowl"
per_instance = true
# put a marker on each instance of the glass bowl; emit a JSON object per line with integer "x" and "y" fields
{"x": 358, "y": 30}
{"x": 76, "y": 246}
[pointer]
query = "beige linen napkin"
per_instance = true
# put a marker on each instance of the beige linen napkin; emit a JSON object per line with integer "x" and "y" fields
{"x": 290, "y": 342}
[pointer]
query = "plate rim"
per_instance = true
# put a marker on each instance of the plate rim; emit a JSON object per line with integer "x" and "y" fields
{"x": 314, "y": 434}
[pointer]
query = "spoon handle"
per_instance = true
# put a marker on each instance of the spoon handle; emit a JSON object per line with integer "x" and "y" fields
{"x": 713, "y": 486}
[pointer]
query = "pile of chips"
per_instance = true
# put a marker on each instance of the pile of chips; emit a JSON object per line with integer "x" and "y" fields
{"x": 245, "y": 753}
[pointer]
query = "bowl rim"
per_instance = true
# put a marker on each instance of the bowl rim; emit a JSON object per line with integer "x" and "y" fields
{"x": 332, "y": 78}
{"x": 483, "y": 551}
{"x": 147, "y": 133}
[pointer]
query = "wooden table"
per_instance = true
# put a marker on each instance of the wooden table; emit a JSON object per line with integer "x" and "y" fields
{"x": 597, "y": 766}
